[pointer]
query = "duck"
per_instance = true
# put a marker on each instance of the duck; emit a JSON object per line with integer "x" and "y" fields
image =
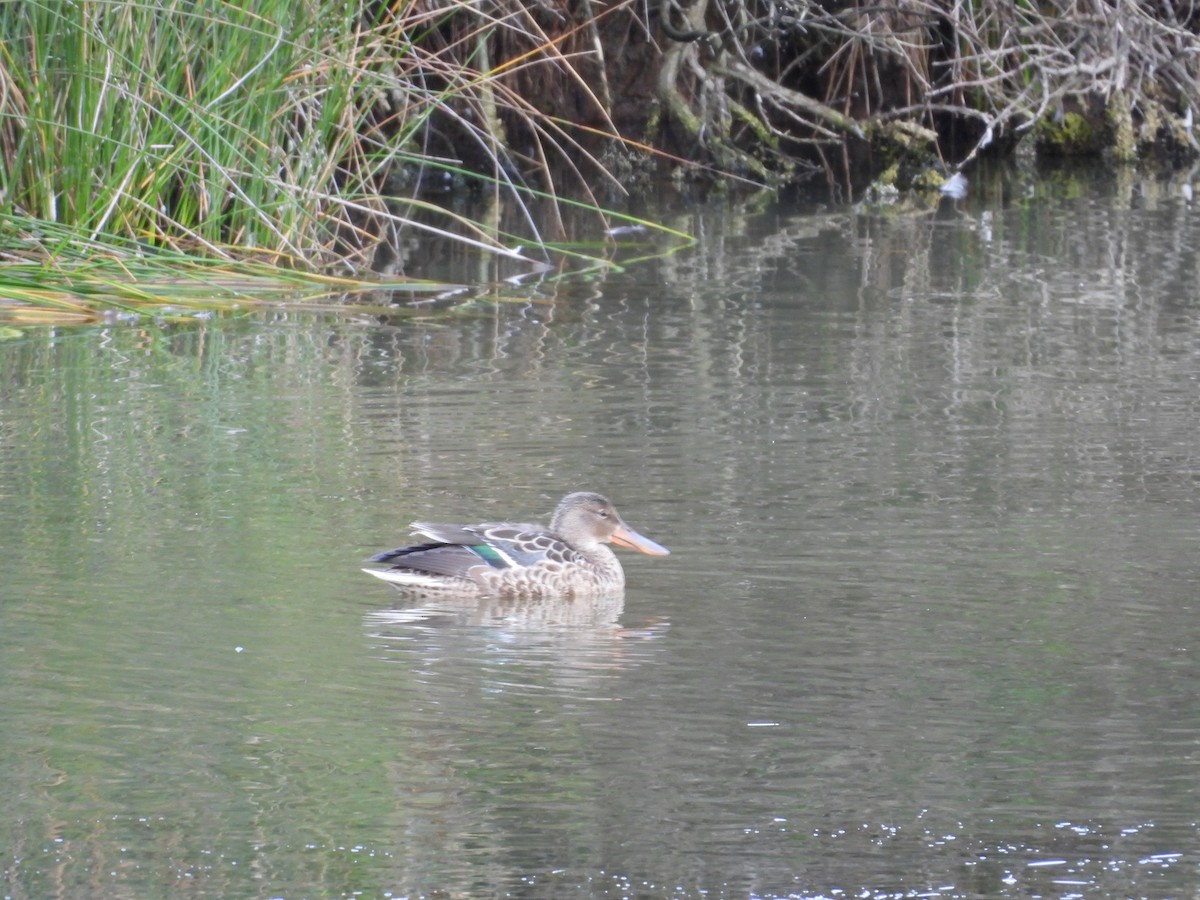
{"x": 569, "y": 558}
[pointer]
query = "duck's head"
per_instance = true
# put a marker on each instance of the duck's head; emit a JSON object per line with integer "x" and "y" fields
{"x": 585, "y": 519}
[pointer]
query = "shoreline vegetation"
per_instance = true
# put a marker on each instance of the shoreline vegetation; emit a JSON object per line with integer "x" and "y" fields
{"x": 166, "y": 153}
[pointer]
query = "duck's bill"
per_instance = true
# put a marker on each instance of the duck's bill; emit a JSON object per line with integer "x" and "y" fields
{"x": 625, "y": 536}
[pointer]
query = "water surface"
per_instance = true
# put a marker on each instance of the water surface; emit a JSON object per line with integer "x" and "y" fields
{"x": 931, "y": 484}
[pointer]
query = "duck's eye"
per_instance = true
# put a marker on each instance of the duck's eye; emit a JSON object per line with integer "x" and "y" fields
{"x": 602, "y": 513}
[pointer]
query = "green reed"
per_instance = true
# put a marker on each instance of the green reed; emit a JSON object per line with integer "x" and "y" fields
{"x": 188, "y": 124}
{"x": 197, "y": 131}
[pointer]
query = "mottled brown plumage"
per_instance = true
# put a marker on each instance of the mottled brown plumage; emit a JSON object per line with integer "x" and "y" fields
{"x": 571, "y": 557}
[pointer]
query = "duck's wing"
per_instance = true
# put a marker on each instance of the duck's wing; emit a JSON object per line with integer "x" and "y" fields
{"x": 456, "y": 549}
{"x": 518, "y": 546}
{"x": 451, "y": 560}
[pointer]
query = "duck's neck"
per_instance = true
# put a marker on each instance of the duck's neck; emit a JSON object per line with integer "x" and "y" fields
{"x": 605, "y": 563}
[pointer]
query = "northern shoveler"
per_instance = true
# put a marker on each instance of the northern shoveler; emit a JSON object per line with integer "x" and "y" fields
{"x": 504, "y": 559}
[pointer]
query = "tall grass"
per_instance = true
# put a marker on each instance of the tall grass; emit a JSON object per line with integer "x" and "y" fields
{"x": 190, "y": 125}
{"x": 202, "y": 127}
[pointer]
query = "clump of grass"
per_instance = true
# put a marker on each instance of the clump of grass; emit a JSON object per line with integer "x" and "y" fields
{"x": 209, "y": 129}
{"x": 193, "y": 126}
{"x": 57, "y": 277}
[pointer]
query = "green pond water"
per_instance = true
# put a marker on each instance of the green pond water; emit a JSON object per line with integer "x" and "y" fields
{"x": 929, "y": 627}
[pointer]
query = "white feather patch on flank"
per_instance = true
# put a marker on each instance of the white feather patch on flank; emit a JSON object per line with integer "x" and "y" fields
{"x": 412, "y": 579}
